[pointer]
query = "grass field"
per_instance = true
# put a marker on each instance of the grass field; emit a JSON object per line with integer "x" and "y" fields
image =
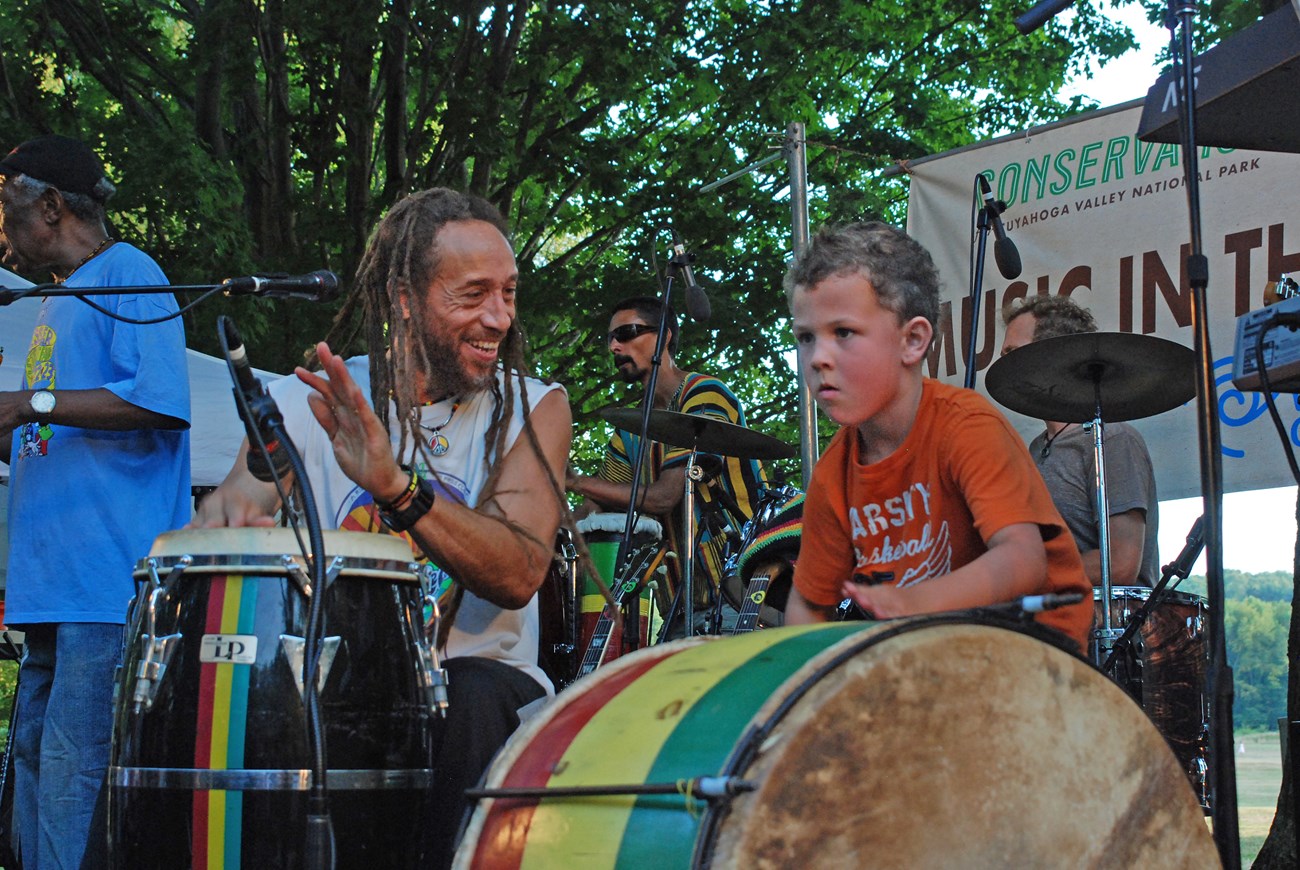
{"x": 1259, "y": 776}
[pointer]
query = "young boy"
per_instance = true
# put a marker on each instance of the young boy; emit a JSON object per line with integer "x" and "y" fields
{"x": 926, "y": 500}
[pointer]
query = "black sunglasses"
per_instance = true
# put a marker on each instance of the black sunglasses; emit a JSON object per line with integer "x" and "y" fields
{"x": 628, "y": 331}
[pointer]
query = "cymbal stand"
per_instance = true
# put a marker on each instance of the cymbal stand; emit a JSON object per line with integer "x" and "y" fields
{"x": 1103, "y": 637}
{"x": 694, "y": 474}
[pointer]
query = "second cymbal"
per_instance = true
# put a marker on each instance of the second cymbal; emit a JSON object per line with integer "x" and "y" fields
{"x": 706, "y": 434}
{"x": 1063, "y": 378}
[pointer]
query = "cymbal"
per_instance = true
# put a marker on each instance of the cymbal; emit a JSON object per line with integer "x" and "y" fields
{"x": 706, "y": 434}
{"x": 1063, "y": 378}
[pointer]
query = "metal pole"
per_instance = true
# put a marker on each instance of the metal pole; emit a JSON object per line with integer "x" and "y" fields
{"x": 796, "y": 150}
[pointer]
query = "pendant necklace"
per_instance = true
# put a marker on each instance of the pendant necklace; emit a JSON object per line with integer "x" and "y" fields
{"x": 438, "y": 443}
{"x": 1047, "y": 445}
{"x": 99, "y": 249}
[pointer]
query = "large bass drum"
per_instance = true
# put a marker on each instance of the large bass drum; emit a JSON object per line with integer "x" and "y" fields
{"x": 931, "y": 742}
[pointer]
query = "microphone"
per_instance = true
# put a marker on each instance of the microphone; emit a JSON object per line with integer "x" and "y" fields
{"x": 1004, "y": 250}
{"x": 319, "y": 286}
{"x": 697, "y": 303}
{"x": 263, "y": 418}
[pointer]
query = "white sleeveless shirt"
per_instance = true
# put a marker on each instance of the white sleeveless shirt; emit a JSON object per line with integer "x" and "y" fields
{"x": 481, "y": 628}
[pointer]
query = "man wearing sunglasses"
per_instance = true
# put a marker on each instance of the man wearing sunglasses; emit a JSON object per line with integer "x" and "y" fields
{"x": 732, "y": 489}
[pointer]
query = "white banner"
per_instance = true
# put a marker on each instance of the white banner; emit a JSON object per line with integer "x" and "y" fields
{"x": 1102, "y": 217}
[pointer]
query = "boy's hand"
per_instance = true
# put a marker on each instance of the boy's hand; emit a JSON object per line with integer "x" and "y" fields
{"x": 880, "y": 602}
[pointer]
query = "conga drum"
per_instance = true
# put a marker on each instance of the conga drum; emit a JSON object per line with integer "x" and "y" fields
{"x": 1165, "y": 671}
{"x": 941, "y": 741}
{"x": 210, "y": 764}
{"x": 603, "y": 532}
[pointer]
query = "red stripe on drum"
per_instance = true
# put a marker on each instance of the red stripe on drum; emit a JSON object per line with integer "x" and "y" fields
{"x": 505, "y": 830}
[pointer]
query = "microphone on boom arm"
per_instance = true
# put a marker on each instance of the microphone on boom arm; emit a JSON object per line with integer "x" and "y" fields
{"x": 264, "y": 421}
{"x": 319, "y": 286}
{"x": 1004, "y": 250}
{"x": 697, "y": 302}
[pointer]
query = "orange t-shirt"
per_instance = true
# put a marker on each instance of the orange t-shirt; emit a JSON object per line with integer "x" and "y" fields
{"x": 961, "y": 475}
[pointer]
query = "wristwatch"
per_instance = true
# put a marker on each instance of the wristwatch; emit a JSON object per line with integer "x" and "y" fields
{"x": 42, "y": 402}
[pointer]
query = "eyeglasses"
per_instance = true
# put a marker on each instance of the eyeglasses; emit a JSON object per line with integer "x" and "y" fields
{"x": 628, "y": 331}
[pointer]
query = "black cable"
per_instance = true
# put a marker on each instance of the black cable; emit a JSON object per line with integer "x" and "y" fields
{"x": 1268, "y": 396}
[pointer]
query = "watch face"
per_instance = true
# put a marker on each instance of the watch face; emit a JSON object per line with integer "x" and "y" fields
{"x": 43, "y": 402}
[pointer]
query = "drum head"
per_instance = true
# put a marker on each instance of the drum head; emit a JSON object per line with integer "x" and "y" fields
{"x": 232, "y": 549}
{"x": 614, "y": 524}
{"x": 970, "y": 746}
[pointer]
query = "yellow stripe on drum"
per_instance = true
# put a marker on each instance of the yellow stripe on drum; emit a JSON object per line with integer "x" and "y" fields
{"x": 591, "y": 831}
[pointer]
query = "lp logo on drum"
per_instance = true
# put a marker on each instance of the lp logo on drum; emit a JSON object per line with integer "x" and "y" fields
{"x": 238, "y": 649}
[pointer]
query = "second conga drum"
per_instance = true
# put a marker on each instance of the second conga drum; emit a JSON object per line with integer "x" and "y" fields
{"x": 210, "y": 761}
{"x": 603, "y": 533}
{"x": 932, "y": 742}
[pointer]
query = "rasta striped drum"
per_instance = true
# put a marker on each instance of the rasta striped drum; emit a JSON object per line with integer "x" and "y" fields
{"x": 937, "y": 741}
{"x": 210, "y": 760}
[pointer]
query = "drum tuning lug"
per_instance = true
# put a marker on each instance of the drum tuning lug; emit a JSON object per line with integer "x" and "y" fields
{"x": 299, "y": 578}
{"x": 295, "y": 650}
{"x": 717, "y": 787}
{"x": 438, "y": 702}
{"x": 177, "y": 570}
{"x": 333, "y": 571}
{"x": 156, "y": 653}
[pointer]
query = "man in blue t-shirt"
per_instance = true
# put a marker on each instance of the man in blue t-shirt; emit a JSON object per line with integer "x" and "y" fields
{"x": 99, "y": 466}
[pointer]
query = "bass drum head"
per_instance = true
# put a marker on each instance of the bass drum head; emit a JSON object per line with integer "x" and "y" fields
{"x": 935, "y": 742}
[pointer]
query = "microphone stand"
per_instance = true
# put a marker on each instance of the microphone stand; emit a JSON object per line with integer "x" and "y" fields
{"x": 632, "y": 628}
{"x": 1220, "y": 683}
{"x": 264, "y": 415}
{"x": 1219, "y": 688}
{"x": 982, "y": 220}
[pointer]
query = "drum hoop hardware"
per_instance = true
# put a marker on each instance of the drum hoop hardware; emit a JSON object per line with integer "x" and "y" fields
{"x": 299, "y": 578}
{"x": 155, "y": 652}
{"x": 710, "y": 788}
{"x": 430, "y": 672}
{"x": 389, "y": 570}
{"x": 268, "y": 779}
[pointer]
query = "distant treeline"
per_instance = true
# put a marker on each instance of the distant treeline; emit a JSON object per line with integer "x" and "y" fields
{"x": 1257, "y": 624}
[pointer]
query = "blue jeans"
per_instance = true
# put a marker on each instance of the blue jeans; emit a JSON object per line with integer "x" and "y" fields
{"x": 63, "y": 723}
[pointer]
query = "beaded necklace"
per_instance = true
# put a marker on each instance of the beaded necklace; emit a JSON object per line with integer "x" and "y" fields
{"x": 99, "y": 249}
{"x": 438, "y": 443}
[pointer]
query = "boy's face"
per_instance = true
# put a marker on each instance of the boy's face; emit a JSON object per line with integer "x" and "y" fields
{"x": 853, "y": 352}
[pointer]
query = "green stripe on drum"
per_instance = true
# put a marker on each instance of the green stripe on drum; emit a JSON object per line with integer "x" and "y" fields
{"x": 678, "y": 720}
{"x": 708, "y": 729}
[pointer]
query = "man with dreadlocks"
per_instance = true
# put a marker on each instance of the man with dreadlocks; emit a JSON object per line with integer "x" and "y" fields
{"x": 448, "y": 446}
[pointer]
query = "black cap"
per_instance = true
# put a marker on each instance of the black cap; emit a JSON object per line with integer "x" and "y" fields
{"x": 68, "y": 164}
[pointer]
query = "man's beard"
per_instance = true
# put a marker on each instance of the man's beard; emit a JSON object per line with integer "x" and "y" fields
{"x": 630, "y": 376}
{"x": 447, "y": 376}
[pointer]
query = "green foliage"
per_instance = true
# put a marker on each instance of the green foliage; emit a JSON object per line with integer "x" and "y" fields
{"x": 268, "y": 137}
{"x": 1256, "y": 629}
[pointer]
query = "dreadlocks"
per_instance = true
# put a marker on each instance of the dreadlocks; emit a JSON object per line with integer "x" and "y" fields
{"x": 401, "y": 260}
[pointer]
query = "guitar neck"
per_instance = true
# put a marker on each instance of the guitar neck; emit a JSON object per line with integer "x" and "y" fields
{"x": 755, "y": 594}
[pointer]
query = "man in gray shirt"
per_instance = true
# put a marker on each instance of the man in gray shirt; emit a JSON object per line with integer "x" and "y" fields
{"x": 1066, "y": 458}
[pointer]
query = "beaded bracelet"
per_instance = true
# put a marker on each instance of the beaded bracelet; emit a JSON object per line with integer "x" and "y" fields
{"x": 406, "y": 510}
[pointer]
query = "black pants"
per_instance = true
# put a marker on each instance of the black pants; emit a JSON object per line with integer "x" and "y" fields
{"x": 484, "y": 698}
